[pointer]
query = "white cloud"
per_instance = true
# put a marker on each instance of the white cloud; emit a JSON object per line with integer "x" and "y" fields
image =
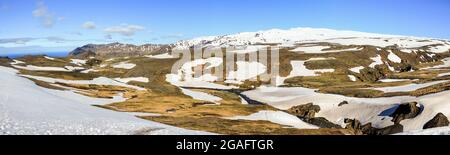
{"x": 16, "y": 40}
{"x": 89, "y": 25}
{"x": 125, "y": 29}
{"x": 108, "y": 36}
{"x": 47, "y": 18}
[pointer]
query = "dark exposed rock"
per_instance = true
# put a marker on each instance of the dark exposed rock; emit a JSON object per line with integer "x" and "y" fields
{"x": 405, "y": 67}
{"x": 440, "y": 120}
{"x": 307, "y": 114}
{"x": 356, "y": 127}
{"x": 406, "y": 111}
{"x": 370, "y": 74}
{"x": 305, "y": 111}
{"x": 322, "y": 122}
{"x": 342, "y": 103}
{"x": 93, "y": 62}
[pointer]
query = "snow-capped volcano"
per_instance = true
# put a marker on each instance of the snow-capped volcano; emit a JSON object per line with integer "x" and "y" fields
{"x": 307, "y": 35}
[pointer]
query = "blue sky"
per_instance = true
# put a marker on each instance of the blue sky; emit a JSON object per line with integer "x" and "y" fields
{"x": 61, "y": 25}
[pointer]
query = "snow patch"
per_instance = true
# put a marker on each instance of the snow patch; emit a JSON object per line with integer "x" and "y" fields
{"x": 394, "y": 58}
{"x": 161, "y": 56}
{"x": 377, "y": 61}
{"x": 357, "y": 69}
{"x": 277, "y": 117}
{"x": 201, "y": 95}
{"x": 124, "y": 65}
{"x": 137, "y": 79}
{"x": 78, "y": 62}
{"x": 409, "y": 87}
{"x": 96, "y": 81}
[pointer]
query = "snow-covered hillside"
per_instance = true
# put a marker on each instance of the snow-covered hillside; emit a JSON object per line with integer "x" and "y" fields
{"x": 26, "y": 108}
{"x": 290, "y": 37}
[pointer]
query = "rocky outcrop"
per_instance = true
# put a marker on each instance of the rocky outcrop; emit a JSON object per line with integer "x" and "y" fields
{"x": 406, "y": 111}
{"x": 342, "y": 103}
{"x": 357, "y": 128}
{"x": 118, "y": 50}
{"x": 440, "y": 120}
{"x": 93, "y": 62}
{"x": 5, "y": 61}
{"x": 371, "y": 74}
{"x": 305, "y": 111}
{"x": 307, "y": 114}
{"x": 322, "y": 123}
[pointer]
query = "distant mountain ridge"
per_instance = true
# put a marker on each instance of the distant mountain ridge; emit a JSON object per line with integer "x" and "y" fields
{"x": 274, "y": 37}
{"x": 118, "y": 50}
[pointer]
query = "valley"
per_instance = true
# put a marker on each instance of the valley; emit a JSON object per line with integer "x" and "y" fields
{"x": 310, "y": 82}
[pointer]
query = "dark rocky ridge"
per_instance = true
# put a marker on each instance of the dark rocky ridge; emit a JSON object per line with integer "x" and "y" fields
{"x": 307, "y": 114}
{"x": 359, "y": 129}
{"x": 118, "y": 50}
{"x": 406, "y": 111}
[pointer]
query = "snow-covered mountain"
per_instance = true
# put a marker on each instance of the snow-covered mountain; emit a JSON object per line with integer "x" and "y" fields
{"x": 294, "y": 36}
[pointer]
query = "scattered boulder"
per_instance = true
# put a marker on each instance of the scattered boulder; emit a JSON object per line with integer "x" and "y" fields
{"x": 406, "y": 67}
{"x": 304, "y": 111}
{"x": 307, "y": 114}
{"x": 342, "y": 103}
{"x": 93, "y": 62}
{"x": 322, "y": 123}
{"x": 440, "y": 120}
{"x": 356, "y": 127}
{"x": 370, "y": 74}
{"x": 406, "y": 111}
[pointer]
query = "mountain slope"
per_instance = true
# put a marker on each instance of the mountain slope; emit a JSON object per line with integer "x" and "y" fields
{"x": 118, "y": 50}
{"x": 308, "y": 35}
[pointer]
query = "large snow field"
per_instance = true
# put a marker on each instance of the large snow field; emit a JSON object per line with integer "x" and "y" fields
{"x": 96, "y": 81}
{"x": 313, "y": 35}
{"x": 26, "y": 108}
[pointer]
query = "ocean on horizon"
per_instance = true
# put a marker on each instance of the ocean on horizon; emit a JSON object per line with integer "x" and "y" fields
{"x": 50, "y": 54}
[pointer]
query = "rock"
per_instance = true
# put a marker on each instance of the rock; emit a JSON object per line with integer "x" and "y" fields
{"x": 342, "y": 103}
{"x": 93, "y": 62}
{"x": 307, "y": 114}
{"x": 172, "y": 110}
{"x": 322, "y": 123}
{"x": 406, "y": 111}
{"x": 357, "y": 128}
{"x": 393, "y": 129}
{"x": 440, "y": 120}
{"x": 304, "y": 111}
{"x": 354, "y": 126}
{"x": 371, "y": 74}
{"x": 406, "y": 67}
